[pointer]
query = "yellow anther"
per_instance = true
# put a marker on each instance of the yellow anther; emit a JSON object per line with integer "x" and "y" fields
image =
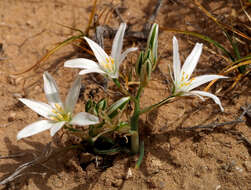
{"x": 112, "y": 60}
{"x": 182, "y": 79}
{"x": 53, "y": 118}
{"x": 54, "y": 111}
{"x": 68, "y": 116}
{"x": 59, "y": 108}
{"x": 60, "y": 116}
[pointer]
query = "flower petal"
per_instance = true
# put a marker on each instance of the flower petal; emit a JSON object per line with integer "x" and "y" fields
{"x": 86, "y": 71}
{"x": 124, "y": 54}
{"x": 202, "y": 80}
{"x": 81, "y": 63}
{"x": 98, "y": 51}
{"x": 41, "y": 108}
{"x": 72, "y": 95}
{"x": 84, "y": 118}
{"x": 56, "y": 127}
{"x": 118, "y": 43}
{"x": 176, "y": 60}
{"x": 51, "y": 90}
{"x": 34, "y": 128}
{"x": 192, "y": 60}
{"x": 215, "y": 98}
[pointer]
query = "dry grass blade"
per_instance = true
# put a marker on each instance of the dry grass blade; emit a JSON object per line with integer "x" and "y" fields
{"x": 62, "y": 44}
{"x": 201, "y": 36}
{"x": 225, "y": 71}
{"x": 51, "y": 52}
{"x": 91, "y": 17}
{"x": 221, "y": 25}
{"x": 238, "y": 65}
{"x": 243, "y": 9}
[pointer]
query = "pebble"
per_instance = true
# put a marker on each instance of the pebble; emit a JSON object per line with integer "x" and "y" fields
{"x": 247, "y": 165}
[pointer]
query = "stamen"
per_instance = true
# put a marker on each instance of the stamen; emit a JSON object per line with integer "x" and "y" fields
{"x": 60, "y": 116}
{"x": 53, "y": 118}
{"x": 108, "y": 64}
{"x": 54, "y": 111}
{"x": 59, "y": 108}
{"x": 182, "y": 79}
{"x": 68, "y": 116}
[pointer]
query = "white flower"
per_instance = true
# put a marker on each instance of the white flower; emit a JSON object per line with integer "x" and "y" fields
{"x": 107, "y": 65}
{"x": 57, "y": 113}
{"x": 183, "y": 84}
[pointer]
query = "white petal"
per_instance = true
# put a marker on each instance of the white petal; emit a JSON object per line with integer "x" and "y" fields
{"x": 215, "y": 98}
{"x": 83, "y": 72}
{"x": 56, "y": 127}
{"x": 51, "y": 90}
{"x": 34, "y": 128}
{"x": 81, "y": 63}
{"x": 124, "y": 54}
{"x": 118, "y": 42}
{"x": 72, "y": 95}
{"x": 192, "y": 60}
{"x": 97, "y": 50}
{"x": 202, "y": 80}
{"x": 41, "y": 108}
{"x": 84, "y": 118}
{"x": 176, "y": 60}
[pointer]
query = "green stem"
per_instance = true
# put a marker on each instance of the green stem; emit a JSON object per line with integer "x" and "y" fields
{"x": 135, "y": 123}
{"x": 141, "y": 155}
{"x": 154, "y": 106}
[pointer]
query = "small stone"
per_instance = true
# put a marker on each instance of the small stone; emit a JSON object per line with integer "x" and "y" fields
{"x": 247, "y": 165}
{"x": 129, "y": 173}
{"x": 162, "y": 184}
{"x": 18, "y": 95}
{"x": 239, "y": 169}
{"x": 117, "y": 182}
{"x": 38, "y": 89}
{"x": 12, "y": 117}
{"x": 218, "y": 187}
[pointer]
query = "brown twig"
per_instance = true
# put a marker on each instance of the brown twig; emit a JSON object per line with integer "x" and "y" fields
{"x": 241, "y": 137}
{"x": 212, "y": 126}
{"x": 152, "y": 18}
{"x": 47, "y": 154}
{"x": 13, "y": 155}
{"x": 119, "y": 15}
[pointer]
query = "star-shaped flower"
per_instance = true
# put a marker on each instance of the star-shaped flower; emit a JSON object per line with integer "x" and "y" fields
{"x": 56, "y": 112}
{"x": 107, "y": 65}
{"x": 183, "y": 83}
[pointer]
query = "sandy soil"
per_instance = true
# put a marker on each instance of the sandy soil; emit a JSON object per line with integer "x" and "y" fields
{"x": 174, "y": 159}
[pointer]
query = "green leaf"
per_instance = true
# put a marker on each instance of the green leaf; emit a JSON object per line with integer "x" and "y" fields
{"x": 102, "y": 104}
{"x": 139, "y": 63}
{"x": 121, "y": 104}
{"x": 152, "y": 43}
{"x": 88, "y": 106}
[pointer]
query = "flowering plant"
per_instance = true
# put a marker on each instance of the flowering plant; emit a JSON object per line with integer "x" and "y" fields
{"x": 121, "y": 118}
{"x": 107, "y": 65}
{"x": 57, "y": 113}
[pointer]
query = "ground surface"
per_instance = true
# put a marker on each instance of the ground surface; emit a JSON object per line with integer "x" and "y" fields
{"x": 174, "y": 159}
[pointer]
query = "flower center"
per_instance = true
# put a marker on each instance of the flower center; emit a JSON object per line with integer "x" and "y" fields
{"x": 109, "y": 64}
{"x": 60, "y": 114}
{"x": 184, "y": 80}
